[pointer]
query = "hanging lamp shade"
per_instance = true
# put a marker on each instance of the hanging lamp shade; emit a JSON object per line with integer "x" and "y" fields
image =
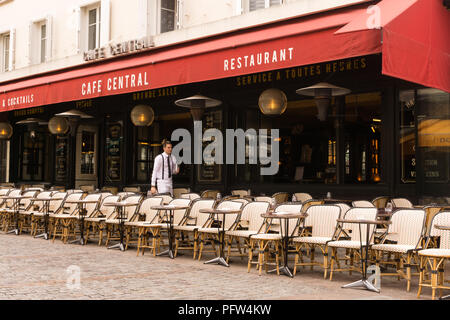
{"x": 74, "y": 113}
{"x": 6, "y": 131}
{"x": 29, "y": 121}
{"x": 272, "y": 102}
{"x": 322, "y": 93}
{"x": 142, "y": 115}
{"x": 58, "y": 125}
{"x": 197, "y": 105}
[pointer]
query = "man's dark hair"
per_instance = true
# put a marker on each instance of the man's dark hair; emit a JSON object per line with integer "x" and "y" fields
{"x": 165, "y": 143}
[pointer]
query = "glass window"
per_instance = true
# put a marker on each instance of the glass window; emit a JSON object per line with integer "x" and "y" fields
{"x": 87, "y": 152}
{"x": 168, "y": 15}
{"x": 362, "y": 126}
{"x": 434, "y": 134}
{"x": 4, "y": 160}
{"x": 407, "y": 100}
{"x": 114, "y": 140}
{"x": 148, "y": 147}
{"x": 43, "y": 42}
{"x": 261, "y": 4}
{"x": 32, "y": 156}
{"x": 61, "y": 158}
{"x": 5, "y": 52}
{"x": 93, "y": 28}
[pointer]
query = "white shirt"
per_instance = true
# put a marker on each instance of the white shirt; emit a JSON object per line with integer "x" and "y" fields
{"x": 158, "y": 167}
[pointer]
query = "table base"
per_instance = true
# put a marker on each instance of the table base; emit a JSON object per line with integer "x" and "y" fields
{"x": 168, "y": 253}
{"x": 363, "y": 283}
{"x": 219, "y": 260}
{"x": 16, "y": 231}
{"x": 445, "y": 297}
{"x": 284, "y": 271}
{"x": 80, "y": 240}
{"x": 118, "y": 246}
{"x": 43, "y": 235}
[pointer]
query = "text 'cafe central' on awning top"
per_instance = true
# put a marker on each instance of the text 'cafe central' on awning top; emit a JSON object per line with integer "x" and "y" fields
{"x": 386, "y": 132}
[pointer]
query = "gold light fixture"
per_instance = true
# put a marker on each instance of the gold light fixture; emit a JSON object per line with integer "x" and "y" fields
{"x": 272, "y": 102}
{"x": 58, "y": 125}
{"x": 6, "y": 131}
{"x": 142, "y": 115}
{"x": 322, "y": 93}
{"x": 197, "y": 105}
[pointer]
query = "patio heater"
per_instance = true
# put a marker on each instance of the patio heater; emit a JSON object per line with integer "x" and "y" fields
{"x": 197, "y": 105}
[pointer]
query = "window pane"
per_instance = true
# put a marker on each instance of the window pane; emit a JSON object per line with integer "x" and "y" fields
{"x": 6, "y": 53}
{"x": 43, "y": 42}
{"x": 168, "y": 4}
{"x": 87, "y": 152}
{"x": 167, "y": 20}
{"x": 434, "y": 134}
{"x": 275, "y": 2}
{"x": 92, "y": 37}
{"x": 407, "y": 136}
{"x": 93, "y": 16}
{"x": 257, "y": 4}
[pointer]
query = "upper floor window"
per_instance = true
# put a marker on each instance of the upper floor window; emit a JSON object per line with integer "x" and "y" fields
{"x": 94, "y": 18}
{"x": 40, "y": 40}
{"x": 261, "y": 4}
{"x": 94, "y": 25}
{"x": 168, "y": 15}
{"x": 7, "y": 50}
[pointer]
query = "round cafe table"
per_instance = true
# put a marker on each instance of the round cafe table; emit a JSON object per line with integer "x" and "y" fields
{"x": 16, "y": 209}
{"x": 81, "y": 215}
{"x": 285, "y": 216}
{"x": 120, "y": 205}
{"x": 364, "y": 283}
{"x": 169, "y": 208}
{"x": 46, "y": 212}
{"x": 221, "y": 258}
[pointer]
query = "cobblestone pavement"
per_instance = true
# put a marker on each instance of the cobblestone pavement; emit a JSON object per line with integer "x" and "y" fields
{"x": 38, "y": 269}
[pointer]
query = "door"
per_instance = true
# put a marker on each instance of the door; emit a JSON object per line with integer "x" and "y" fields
{"x": 86, "y": 156}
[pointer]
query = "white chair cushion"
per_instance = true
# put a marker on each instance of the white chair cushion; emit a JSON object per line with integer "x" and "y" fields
{"x": 315, "y": 240}
{"x": 186, "y": 228}
{"x": 266, "y": 236}
{"x": 435, "y": 253}
{"x": 241, "y": 233}
{"x": 208, "y": 230}
{"x": 393, "y": 247}
{"x": 350, "y": 244}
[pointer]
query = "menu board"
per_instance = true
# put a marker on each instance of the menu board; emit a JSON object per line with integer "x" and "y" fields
{"x": 113, "y": 151}
{"x": 210, "y": 172}
{"x": 61, "y": 159}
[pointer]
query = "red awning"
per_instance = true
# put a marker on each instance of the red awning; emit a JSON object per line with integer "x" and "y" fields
{"x": 291, "y": 43}
{"x": 416, "y": 40}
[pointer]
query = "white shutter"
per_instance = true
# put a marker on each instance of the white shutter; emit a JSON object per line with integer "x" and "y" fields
{"x": 179, "y": 13}
{"x": 78, "y": 28}
{"x": 30, "y": 43}
{"x": 105, "y": 21}
{"x": 257, "y": 4}
{"x": 12, "y": 48}
{"x": 274, "y": 2}
{"x": 48, "y": 47}
{"x": 143, "y": 18}
{"x": 238, "y": 7}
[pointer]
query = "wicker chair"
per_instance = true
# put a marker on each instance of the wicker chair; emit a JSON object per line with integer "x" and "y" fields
{"x": 239, "y": 192}
{"x": 211, "y": 234}
{"x": 352, "y": 245}
{"x": 96, "y": 224}
{"x": 301, "y": 197}
{"x": 212, "y": 194}
{"x": 362, "y": 204}
{"x": 195, "y": 221}
{"x": 61, "y": 219}
{"x": 380, "y": 202}
{"x": 280, "y": 197}
{"x": 177, "y": 192}
{"x": 323, "y": 220}
{"x": 271, "y": 242}
{"x": 401, "y": 203}
{"x": 434, "y": 258}
{"x": 250, "y": 218}
{"x": 410, "y": 226}
{"x": 190, "y": 196}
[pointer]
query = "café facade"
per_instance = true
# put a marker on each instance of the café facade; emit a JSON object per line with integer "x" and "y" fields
{"x": 389, "y": 134}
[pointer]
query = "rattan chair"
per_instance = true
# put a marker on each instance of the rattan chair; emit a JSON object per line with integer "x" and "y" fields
{"x": 177, "y": 192}
{"x": 190, "y": 196}
{"x": 212, "y": 194}
{"x": 410, "y": 226}
{"x": 301, "y": 197}
{"x": 401, "y": 203}
{"x": 210, "y": 234}
{"x": 96, "y": 223}
{"x": 254, "y": 223}
{"x": 380, "y": 202}
{"x": 362, "y": 204}
{"x": 353, "y": 244}
{"x": 271, "y": 242}
{"x": 239, "y": 192}
{"x": 323, "y": 221}
{"x": 280, "y": 197}
{"x": 61, "y": 219}
{"x": 433, "y": 258}
{"x": 195, "y": 221}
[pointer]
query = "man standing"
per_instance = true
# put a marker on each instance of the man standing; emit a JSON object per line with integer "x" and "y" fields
{"x": 164, "y": 167}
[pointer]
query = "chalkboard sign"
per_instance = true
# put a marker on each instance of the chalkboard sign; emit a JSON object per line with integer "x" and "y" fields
{"x": 113, "y": 151}
{"x": 210, "y": 172}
